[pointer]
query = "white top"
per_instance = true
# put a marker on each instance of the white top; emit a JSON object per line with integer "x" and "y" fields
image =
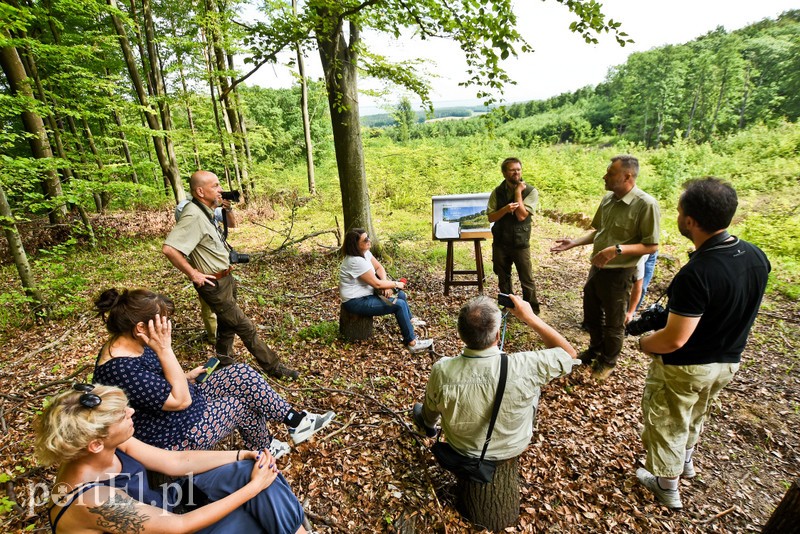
{"x": 350, "y": 287}
{"x": 640, "y": 267}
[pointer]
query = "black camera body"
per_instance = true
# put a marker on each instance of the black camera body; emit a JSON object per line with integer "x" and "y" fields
{"x": 233, "y": 196}
{"x": 238, "y": 257}
{"x": 652, "y": 318}
{"x": 504, "y": 300}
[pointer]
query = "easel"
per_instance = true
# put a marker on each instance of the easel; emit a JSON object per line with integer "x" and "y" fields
{"x": 450, "y": 273}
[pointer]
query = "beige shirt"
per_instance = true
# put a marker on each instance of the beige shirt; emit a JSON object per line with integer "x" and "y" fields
{"x": 462, "y": 391}
{"x": 629, "y": 220}
{"x": 197, "y": 238}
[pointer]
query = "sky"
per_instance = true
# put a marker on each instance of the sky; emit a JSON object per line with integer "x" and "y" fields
{"x": 562, "y": 61}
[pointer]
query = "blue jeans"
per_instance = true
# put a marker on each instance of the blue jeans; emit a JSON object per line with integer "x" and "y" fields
{"x": 649, "y": 267}
{"x": 372, "y": 305}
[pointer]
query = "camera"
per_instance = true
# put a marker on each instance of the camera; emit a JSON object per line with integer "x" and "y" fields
{"x": 653, "y": 318}
{"x": 504, "y": 300}
{"x": 233, "y": 196}
{"x": 238, "y": 257}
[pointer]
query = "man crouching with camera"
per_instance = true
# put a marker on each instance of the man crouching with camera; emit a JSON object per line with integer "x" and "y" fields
{"x": 198, "y": 249}
{"x": 462, "y": 389}
{"x": 713, "y": 301}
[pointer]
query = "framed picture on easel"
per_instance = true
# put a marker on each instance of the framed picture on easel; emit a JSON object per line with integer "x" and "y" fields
{"x": 460, "y": 217}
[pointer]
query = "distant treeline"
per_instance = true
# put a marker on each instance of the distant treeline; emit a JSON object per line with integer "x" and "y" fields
{"x": 382, "y": 120}
{"x": 710, "y": 87}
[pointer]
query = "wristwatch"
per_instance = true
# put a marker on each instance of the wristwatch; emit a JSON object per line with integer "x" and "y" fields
{"x": 618, "y": 248}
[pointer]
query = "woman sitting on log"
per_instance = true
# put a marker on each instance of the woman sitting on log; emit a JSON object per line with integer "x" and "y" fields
{"x": 102, "y": 485}
{"x": 173, "y": 411}
{"x": 366, "y": 290}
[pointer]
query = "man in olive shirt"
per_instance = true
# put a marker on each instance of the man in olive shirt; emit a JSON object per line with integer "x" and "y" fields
{"x": 626, "y": 227}
{"x": 510, "y": 208}
{"x": 195, "y": 246}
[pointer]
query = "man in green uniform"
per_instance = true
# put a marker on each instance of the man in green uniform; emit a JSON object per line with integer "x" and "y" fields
{"x": 625, "y": 228}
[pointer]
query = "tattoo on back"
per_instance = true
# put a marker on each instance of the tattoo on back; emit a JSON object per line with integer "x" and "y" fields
{"x": 118, "y": 514}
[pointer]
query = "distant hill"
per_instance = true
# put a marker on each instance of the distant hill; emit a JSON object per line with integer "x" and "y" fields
{"x": 383, "y": 120}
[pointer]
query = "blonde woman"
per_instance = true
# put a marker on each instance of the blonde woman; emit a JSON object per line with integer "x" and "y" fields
{"x": 102, "y": 486}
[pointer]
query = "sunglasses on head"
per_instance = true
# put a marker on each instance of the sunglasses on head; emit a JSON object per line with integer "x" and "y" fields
{"x": 88, "y": 399}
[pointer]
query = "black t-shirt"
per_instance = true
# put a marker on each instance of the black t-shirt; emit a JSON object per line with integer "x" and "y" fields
{"x": 723, "y": 284}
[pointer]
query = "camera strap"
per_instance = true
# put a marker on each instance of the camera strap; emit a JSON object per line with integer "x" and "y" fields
{"x": 223, "y": 234}
{"x": 503, "y": 335}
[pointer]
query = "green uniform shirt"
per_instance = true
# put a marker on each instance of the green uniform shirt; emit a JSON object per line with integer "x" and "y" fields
{"x": 629, "y": 220}
{"x": 197, "y": 238}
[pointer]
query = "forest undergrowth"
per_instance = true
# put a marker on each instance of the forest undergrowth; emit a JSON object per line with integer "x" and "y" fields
{"x": 371, "y": 472}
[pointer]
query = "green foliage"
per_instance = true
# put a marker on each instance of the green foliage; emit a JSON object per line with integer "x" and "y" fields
{"x": 325, "y": 332}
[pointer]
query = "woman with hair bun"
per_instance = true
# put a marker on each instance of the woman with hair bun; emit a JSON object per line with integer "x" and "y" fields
{"x": 173, "y": 410}
{"x": 102, "y": 486}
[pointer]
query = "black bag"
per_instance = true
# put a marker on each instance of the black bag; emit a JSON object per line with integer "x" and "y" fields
{"x": 475, "y": 469}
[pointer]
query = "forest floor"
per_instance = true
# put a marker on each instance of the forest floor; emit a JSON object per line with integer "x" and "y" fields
{"x": 370, "y": 473}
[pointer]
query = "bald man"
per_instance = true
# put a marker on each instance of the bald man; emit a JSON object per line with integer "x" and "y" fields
{"x": 195, "y": 246}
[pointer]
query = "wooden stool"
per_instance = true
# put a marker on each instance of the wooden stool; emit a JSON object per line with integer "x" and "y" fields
{"x": 494, "y": 506}
{"x": 354, "y": 327}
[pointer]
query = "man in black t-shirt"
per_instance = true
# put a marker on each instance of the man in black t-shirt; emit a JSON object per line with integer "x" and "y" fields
{"x": 713, "y": 301}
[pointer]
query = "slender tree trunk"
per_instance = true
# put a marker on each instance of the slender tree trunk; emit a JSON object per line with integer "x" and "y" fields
{"x": 33, "y": 72}
{"x": 243, "y": 128}
{"x": 228, "y": 106}
{"x": 720, "y": 99}
{"x": 166, "y": 157}
{"x": 745, "y": 96}
{"x": 340, "y": 66}
{"x": 19, "y": 255}
{"x": 190, "y": 117}
{"x": 18, "y": 82}
{"x": 215, "y": 106}
{"x": 301, "y": 68}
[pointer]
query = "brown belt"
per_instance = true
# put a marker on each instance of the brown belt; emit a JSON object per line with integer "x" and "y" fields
{"x": 222, "y": 274}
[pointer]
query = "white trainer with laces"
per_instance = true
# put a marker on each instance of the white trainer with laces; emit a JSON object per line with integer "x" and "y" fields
{"x": 420, "y": 346}
{"x": 310, "y": 425}
{"x": 278, "y": 448}
{"x": 669, "y": 498}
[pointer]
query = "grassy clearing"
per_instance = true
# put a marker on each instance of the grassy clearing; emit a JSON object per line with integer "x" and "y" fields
{"x": 762, "y": 163}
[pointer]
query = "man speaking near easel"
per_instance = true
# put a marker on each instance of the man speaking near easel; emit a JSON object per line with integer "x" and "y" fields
{"x": 510, "y": 208}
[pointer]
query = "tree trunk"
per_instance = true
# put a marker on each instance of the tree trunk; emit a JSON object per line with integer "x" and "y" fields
{"x": 18, "y": 82}
{"x": 190, "y": 117}
{"x": 354, "y": 327}
{"x": 217, "y": 122}
{"x": 495, "y": 505}
{"x": 786, "y": 517}
{"x": 745, "y": 96}
{"x": 33, "y": 72}
{"x": 160, "y": 92}
{"x": 228, "y": 107}
{"x": 18, "y": 253}
{"x": 301, "y": 69}
{"x": 169, "y": 167}
{"x": 243, "y": 128}
{"x": 340, "y": 65}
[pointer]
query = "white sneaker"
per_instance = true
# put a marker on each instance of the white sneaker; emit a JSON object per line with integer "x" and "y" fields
{"x": 310, "y": 425}
{"x": 669, "y": 498}
{"x": 278, "y": 448}
{"x": 420, "y": 346}
{"x": 416, "y": 321}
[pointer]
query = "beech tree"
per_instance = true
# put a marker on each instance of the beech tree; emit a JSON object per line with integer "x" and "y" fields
{"x": 484, "y": 29}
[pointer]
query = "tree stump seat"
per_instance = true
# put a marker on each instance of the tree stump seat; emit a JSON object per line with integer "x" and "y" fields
{"x": 495, "y": 505}
{"x": 354, "y": 327}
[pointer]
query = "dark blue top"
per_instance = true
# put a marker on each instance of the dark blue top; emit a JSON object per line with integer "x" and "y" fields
{"x": 142, "y": 379}
{"x": 132, "y": 479}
